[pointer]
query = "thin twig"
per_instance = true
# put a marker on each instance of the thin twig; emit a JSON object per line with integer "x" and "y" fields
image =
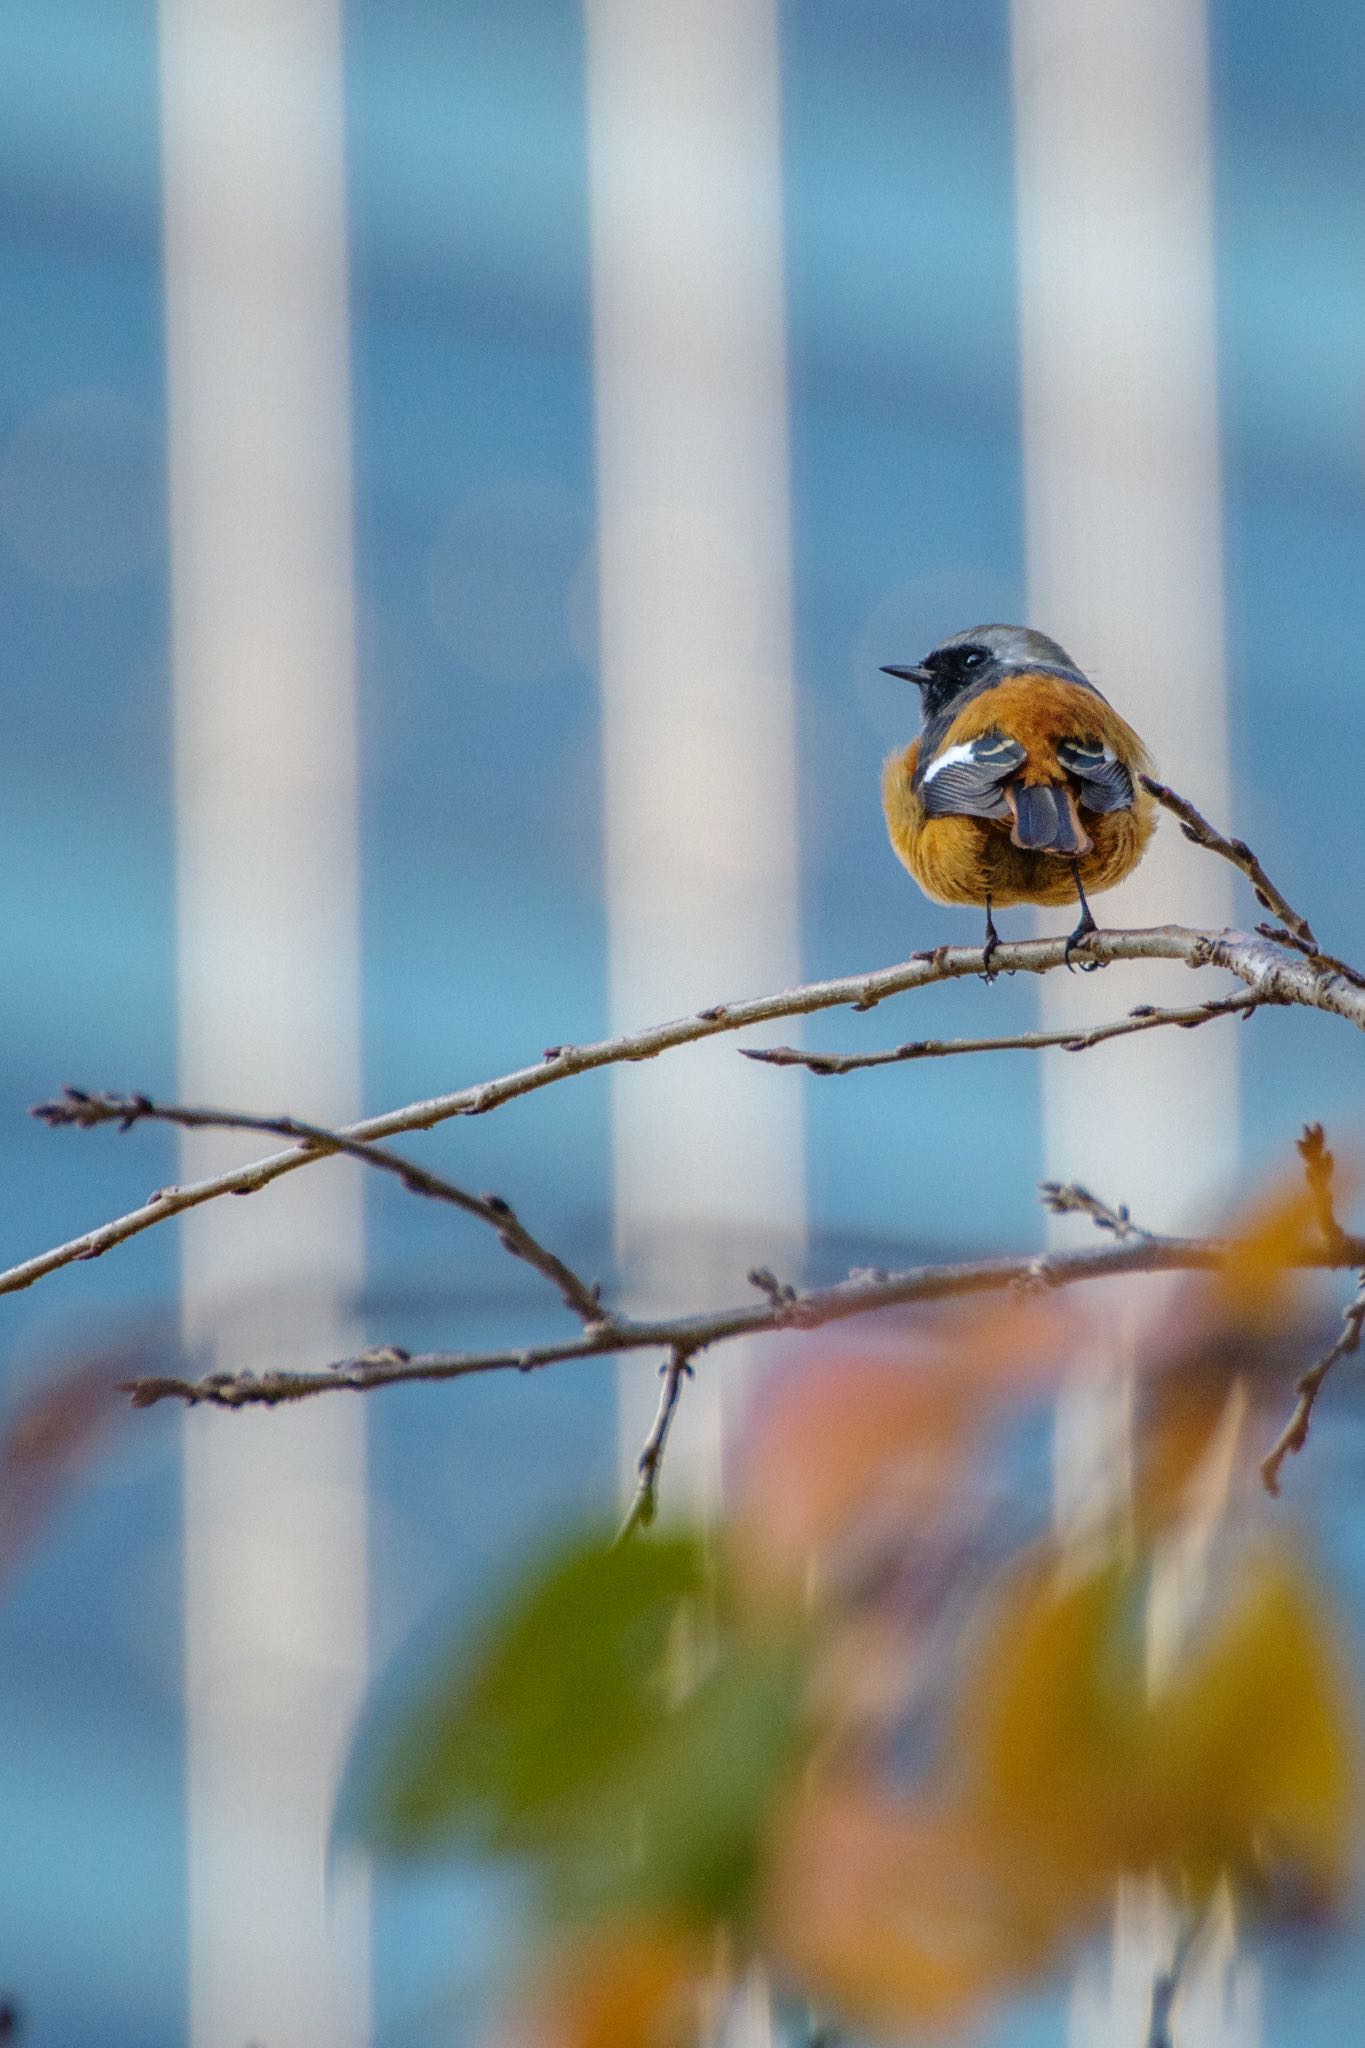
{"x": 1326, "y": 963}
{"x": 1294, "y": 1435}
{"x": 1197, "y": 828}
{"x": 780, "y": 1293}
{"x": 1144, "y": 1018}
{"x": 1319, "y": 1167}
{"x": 645, "y": 1506}
{"x": 861, "y": 1294}
{"x": 1069, "y": 1198}
{"x": 1266, "y": 968}
{"x": 77, "y": 1109}
{"x": 1166, "y": 1984}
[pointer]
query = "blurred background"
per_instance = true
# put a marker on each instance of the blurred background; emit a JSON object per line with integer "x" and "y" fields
{"x": 462, "y": 468}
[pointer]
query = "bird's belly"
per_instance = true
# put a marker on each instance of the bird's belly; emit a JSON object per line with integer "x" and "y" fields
{"x": 962, "y": 860}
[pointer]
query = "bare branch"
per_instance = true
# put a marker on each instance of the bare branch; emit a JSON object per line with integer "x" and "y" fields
{"x": 861, "y": 1294}
{"x": 1144, "y": 1018}
{"x": 645, "y": 1505}
{"x": 1196, "y": 827}
{"x": 1276, "y": 966}
{"x": 1069, "y": 1198}
{"x": 1270, "y": 972}
{"x": 1294, "y": 1435}
{"x": 82, "y": 1111}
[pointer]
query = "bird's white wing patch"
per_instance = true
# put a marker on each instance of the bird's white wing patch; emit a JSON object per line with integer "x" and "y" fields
{"x": 964, "y": 751}
{"x": 967, "y": 779}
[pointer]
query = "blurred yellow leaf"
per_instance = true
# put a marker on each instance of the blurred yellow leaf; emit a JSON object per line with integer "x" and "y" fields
{"x": 1049, "y": 1732}
{"x": 1253, "y": 1747}
{"x": 1241, "y": 1764}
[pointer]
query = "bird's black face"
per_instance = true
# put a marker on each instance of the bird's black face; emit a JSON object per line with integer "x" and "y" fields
{"x": 946, "y": 672}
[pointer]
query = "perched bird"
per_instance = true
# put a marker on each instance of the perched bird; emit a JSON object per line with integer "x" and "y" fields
{"x": 1023, "y": 786}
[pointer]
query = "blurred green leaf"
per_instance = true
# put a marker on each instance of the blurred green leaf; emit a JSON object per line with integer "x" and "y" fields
{"x": 519, "y": 1726}
{"x": 605, "y": 1722}
{"x": 680, "y": 1826}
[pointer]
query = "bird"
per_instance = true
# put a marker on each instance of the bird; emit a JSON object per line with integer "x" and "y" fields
{"x": 1024, "y": 785}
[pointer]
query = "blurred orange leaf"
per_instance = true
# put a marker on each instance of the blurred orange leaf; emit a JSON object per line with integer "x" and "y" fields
{"x": 1188, "y": 1449}
{"x": 1257, "y": 1283}
{"x": 50, "y": 1437}
{"x": 892, "y": 1913}
{"x": 863, "y": 1446}
{"x": 628, "y": 1984}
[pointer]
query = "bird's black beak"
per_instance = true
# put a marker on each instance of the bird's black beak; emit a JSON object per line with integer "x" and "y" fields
{"x": 909, "y": 675}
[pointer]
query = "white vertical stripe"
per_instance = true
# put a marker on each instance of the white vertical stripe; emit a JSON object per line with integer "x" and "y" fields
{"x": 1122, "y": 500}
{"x": 259, "y": 410}
{"x": 697, "y": 701}
{"x": 1122, "y": 503}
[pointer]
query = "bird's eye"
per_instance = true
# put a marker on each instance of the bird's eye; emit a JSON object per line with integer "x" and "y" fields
{"x": 972, "y": 657}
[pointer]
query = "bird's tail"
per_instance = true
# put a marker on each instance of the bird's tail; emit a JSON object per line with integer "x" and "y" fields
{"x": 1046, "y": 819}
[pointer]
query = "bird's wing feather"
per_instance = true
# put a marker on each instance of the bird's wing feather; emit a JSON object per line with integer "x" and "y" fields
{"x": 1105, "y": 783}
{"x": 968, "y": 780}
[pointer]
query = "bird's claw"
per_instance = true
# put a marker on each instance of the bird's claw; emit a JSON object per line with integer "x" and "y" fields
{"x": 988, "y": 950}
{"x": 1077, "y": 938}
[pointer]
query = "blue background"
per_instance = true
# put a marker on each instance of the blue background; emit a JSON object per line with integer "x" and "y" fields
{"x": 484, "y": 931}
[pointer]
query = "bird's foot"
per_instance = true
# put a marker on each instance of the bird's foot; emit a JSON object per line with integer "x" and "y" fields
{"x": 989, "y": 949}
{"x": 1083, "y": 931}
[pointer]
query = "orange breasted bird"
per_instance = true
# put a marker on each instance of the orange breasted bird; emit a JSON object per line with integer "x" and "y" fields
{"x": 1023, "y": 786}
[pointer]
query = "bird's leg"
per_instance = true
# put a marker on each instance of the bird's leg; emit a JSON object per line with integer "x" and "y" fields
{"x": 1083, "y": 929}
{"x": 992, "y": 941}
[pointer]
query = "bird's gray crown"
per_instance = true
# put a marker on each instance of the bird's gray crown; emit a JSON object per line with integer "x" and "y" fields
{"x": 1012, "y": 647}
{"x": 976, "y": 660}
